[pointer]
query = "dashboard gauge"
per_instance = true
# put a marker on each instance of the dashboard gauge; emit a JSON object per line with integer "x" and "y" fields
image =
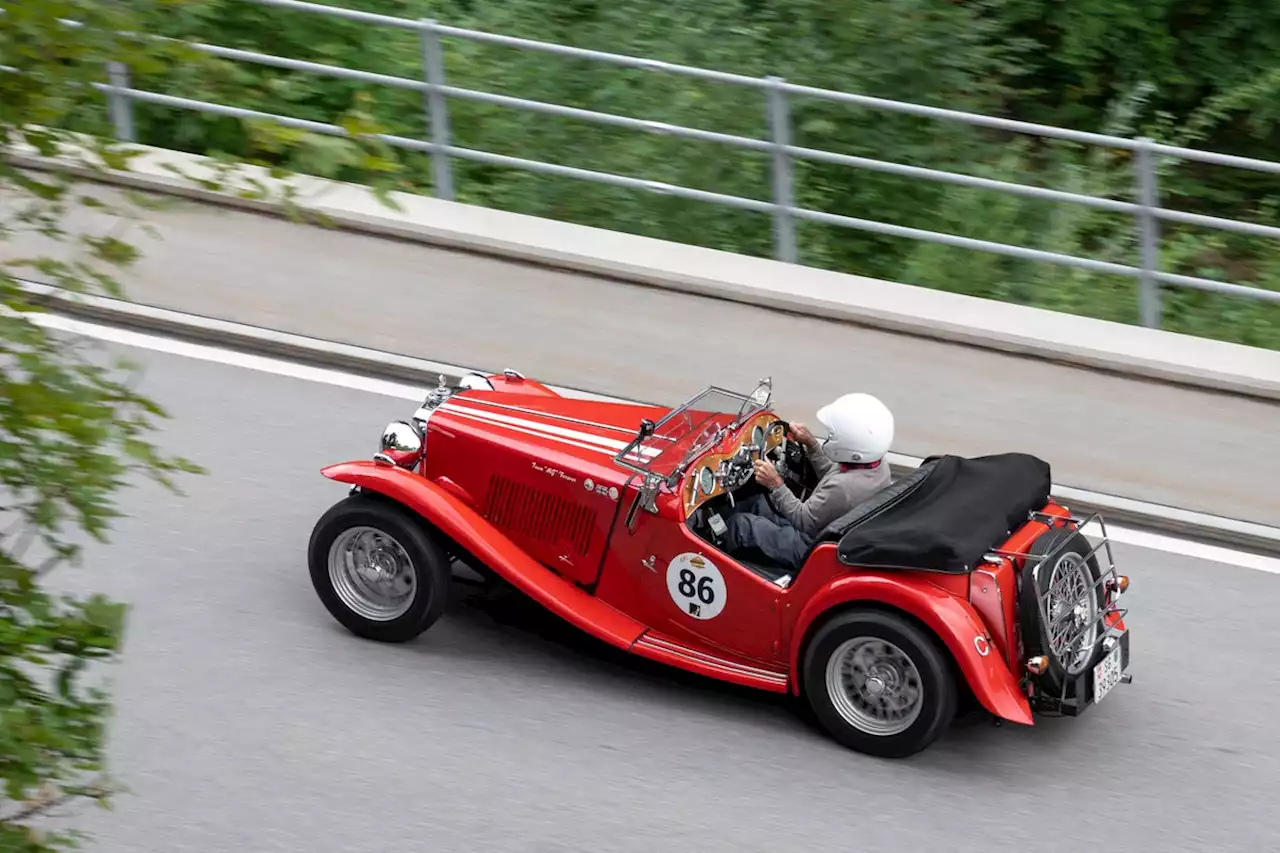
{"x": 706, "y": 480}
{"x": 757, "y": 436}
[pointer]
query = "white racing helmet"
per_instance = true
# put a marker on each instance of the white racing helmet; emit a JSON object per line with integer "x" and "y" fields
{"x": 859, "y": 429}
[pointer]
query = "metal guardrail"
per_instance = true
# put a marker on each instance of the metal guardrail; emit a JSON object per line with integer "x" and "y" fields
{"x": 1145, "y": 208}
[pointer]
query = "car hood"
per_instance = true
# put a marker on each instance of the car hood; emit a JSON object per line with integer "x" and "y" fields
{"x": 590, "y": 431}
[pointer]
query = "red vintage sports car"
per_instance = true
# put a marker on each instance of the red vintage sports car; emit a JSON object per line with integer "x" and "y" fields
{"x": 961, "y": 580}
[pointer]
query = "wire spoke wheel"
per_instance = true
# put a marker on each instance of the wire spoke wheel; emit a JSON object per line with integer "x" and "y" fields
{"x": 1060, "y": 608}
{"x": 1072, "y": 609}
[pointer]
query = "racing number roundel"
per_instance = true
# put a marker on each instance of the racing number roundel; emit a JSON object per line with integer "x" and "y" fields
{"x": 696, "y": 586}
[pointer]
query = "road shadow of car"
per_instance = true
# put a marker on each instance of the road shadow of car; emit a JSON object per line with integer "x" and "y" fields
{"x": 515, "y": 615}
{"x": 480, "y": 618}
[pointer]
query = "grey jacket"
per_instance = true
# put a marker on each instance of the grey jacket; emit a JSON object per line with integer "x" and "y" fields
{"x": 837, "y": 492}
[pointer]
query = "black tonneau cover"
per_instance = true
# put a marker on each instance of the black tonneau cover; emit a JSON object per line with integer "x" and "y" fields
{"x": 945, "y": 516}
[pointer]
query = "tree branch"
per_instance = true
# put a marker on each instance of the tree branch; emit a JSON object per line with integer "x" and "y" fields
{"x": 38, "y": 807}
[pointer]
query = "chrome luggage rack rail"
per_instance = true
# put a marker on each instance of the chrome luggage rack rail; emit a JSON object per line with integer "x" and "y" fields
{"x": 1077, "y": 691}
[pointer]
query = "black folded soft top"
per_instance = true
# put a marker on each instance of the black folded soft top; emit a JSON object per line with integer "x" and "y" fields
{"x": 945, "y": 516}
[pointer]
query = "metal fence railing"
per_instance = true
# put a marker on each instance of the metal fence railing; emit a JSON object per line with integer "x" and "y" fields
{"x": 1145, "y": 209}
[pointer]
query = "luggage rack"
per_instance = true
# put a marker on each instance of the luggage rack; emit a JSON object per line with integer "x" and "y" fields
{"x": 1077, "y": 691}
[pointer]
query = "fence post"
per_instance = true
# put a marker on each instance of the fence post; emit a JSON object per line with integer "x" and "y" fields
{"x": 1148, "y": 234}
{"x": 437, "y": 107}
{"x": 119, "y": 105}
{"x": 784, "y": 227}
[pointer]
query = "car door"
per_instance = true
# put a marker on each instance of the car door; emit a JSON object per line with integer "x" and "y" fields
{"x": 701, "y": 596}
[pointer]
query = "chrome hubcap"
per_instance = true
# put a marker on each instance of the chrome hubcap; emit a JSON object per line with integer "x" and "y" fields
{"x": 874, "y": 686}
{"x": 372, "y": 574}
{"x": 1073, "y": 613}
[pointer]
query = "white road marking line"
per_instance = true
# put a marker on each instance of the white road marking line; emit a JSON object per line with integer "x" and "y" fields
{"x": 204, "y": 352}
{"x": 404, "y": 391}
{"x": 1197, "y": 550}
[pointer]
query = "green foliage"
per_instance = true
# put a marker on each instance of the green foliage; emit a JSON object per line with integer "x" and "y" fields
{"x": 1180, "y": 70}
{"x": 1175, "y": 69}
{"x": 73, "y": 431}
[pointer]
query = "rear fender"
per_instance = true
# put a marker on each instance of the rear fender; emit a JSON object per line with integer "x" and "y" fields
{"x": 462, "y": 524}
{"x": 952, "y": 620}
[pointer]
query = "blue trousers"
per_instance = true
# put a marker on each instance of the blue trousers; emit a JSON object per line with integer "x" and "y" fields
{"x": 754, "y": 523}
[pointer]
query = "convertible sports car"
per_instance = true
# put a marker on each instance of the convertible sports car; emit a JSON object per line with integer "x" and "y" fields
{"x": 962, "y": 580}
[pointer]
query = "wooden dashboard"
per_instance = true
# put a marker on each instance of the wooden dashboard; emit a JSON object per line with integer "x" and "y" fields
{"x": 701, "y": 484}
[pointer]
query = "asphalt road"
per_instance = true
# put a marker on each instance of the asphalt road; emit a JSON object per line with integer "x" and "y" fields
{"x": 248, "y": 720}
{"x": 1194, "y": 450}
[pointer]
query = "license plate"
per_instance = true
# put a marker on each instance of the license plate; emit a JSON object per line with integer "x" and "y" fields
{"x": 1106, "y": 674}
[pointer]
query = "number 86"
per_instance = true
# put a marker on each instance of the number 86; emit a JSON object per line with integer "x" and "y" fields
{"x": 706, "y": 592}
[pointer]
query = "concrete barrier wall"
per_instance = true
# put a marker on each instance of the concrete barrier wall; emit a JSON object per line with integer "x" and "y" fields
{"x": 1146, "y": 414}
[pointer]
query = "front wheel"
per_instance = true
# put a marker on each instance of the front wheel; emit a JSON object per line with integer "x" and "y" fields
{"x": 376, "y": 570}
{"x": 879, "y": 684}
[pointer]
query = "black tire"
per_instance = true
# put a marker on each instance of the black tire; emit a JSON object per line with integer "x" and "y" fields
{"x": 1035, "y": 634}
{"x": 938, "y": 691}
{"x": 427, "y": 560}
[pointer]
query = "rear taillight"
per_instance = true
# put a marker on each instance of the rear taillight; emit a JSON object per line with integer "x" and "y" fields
{"x": 1114, "y": 587}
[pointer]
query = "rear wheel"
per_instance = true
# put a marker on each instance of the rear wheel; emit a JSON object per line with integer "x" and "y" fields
{"x": 879, "y": 684}
{"x": 376, "y": 569}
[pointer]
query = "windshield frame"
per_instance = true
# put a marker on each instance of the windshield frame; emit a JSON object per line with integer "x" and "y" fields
{"x": 651, "y": 449}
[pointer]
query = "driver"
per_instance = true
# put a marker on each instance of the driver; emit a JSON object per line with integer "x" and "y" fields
{"x": 850, "y": 466}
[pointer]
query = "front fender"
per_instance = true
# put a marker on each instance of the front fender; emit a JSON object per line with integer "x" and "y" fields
{"x": 473, "y": 532}
{"x": 952, "y": 620}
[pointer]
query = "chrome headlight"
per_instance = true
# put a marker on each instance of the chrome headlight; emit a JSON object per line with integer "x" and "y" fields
{"x": 401, "y": 443}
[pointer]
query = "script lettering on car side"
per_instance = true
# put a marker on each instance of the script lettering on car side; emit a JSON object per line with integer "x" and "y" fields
{"x": 554, "y": 472}
{"x": 696, "y": 586}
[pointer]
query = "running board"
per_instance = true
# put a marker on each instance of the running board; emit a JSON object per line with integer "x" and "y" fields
{"x": 662, "y": 649}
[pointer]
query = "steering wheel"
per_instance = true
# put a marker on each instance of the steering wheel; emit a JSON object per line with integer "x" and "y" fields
{"x": 798, "y": 467}
{"x": 738, "y": 470}
{"x": 792, "y": 451}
